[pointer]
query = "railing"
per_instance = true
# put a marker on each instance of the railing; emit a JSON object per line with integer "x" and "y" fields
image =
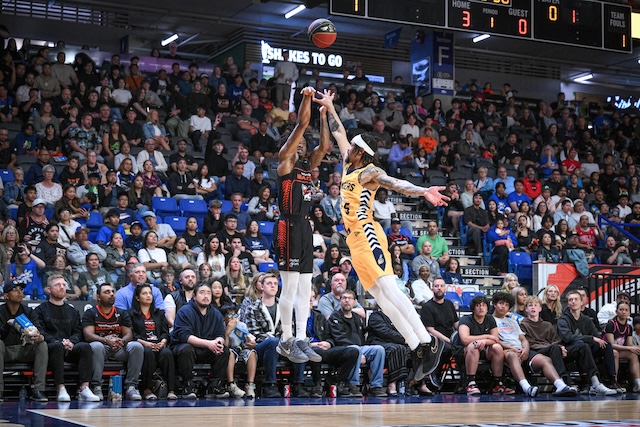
{"x": 603, "y": 287}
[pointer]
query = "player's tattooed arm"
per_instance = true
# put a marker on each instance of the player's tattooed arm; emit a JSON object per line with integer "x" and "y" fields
{"x": 374, "y": 173}
{"x": 333, "y": 124}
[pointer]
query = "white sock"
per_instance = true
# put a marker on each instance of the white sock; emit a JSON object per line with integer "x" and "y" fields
{"x": 595, "y": 381}
{"x": 559, "y": 384}
{"x": 637, "y": 383}
{"x": 524, "y": 384}
{"x": 301, "y": 306}
{"x": 400, "y": 310}
{"x": 290, "y": 281}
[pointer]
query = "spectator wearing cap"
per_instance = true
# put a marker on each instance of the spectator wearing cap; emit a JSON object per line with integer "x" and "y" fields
{"x": 11, "y": 346}
{"x": 474, "y": 112}
{"x": 545, "y": 196}
{"x": 131, "y": 129}
{"x": 469, "y": 125}
{"x": 32, "y": 228}
{"x": 112, "y": 225}
{"x": 532, "y": 186}
{"x": 80, "y": 248}
{"x": 285, "y": 73}
{"x": 399, "y": 239}
{"x": 166, "y": 235}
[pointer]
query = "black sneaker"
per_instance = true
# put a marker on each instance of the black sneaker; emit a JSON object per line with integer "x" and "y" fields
{"x": 344, "y": 391}
{"x": 316, "y": 391}
{"x": 299, "y": 391}
{"x": 429, "y": 354}
{"x": 377, "y": 392}
{"x": 355, "y": 391}
{"x": 271, "y": 391}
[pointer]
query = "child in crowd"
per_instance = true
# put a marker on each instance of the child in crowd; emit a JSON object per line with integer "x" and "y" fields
{"x": 71, "y": 173}
{"x": 89, "y": 202}
{"x": 112, "y": 224}
{"x": 134, "y": 241}
{"x": 168, "y": 283}
{"x": 26, "y": 142}
{"x": 240, "y": 343}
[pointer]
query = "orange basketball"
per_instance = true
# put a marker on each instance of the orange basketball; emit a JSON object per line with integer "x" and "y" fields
{"x": 322, "y": 33}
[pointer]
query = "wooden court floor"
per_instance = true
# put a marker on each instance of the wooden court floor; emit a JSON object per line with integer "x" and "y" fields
{"x": 343, "y": 413}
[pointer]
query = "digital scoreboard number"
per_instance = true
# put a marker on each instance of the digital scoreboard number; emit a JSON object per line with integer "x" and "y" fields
{"x": 501, "y": 17}
{"x": 583, "y": 23}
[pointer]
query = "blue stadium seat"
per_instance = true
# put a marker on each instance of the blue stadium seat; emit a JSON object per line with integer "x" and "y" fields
{"x": 6, "y": 175}
{"x": 464, "y": 232}
{"x": 339, "y": 227}
{"x": 95, "y": 221}
{"x": 178, "y": 223}
{"x": 266, "y": 266}
{"x": 244, "y": 207}
{"x": 165, "y": 206}
{"x": 226, "y": 206}
{"x": 521, "y": 265}
{"x": 404, "y": 232}
{"x": 13, "y": 213}
{"x": 468, "y": 296}
{"x": 200, "y": 223}
{"x": 92, "y": 236}
{"x": 49, "y": 212}
{"x": 454, "y": 297}
{"x": 195, "y": 208}
{"x": 141, "y": 220}
{"x": 266, "y": 228}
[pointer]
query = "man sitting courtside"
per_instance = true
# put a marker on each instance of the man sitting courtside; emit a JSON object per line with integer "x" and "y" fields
{"x": 59, "y": 324}
{"x": 11, "y": 346}
{"x": 107, "y": 329}
{"x": 198, "y": 336}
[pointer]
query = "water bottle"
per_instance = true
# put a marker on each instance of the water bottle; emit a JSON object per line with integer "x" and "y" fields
{"x": 23, "y": 394}
{"x": 90, "y": 294}
{"x": 402, "y": 388}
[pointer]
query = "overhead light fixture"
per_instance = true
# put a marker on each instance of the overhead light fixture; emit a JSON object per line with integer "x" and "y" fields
{"x": 169, "y": 39}
{"x": 294, "y": 11}
{"x": 481, "y": 38}
{"x": 638, "y": 61}
{"x": 584, "y": 78}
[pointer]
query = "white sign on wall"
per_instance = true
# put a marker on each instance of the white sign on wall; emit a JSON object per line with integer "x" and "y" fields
{"x": 306, "y": 57}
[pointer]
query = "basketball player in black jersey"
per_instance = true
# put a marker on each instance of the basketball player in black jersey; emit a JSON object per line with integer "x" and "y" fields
{"x": 293, "y": 238}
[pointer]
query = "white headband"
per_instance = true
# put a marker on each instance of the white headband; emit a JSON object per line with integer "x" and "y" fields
{"x": 360, "y": 143}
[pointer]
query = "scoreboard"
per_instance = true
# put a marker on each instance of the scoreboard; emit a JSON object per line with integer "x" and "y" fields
{"x": 583, "y": 23}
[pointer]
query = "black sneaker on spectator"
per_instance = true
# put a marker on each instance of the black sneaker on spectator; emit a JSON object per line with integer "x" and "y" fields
{"x": 300, "y": 391}
{"x": 355, "y": 391}
{"x": 271, "y": 391}
{"x": 377, "y": 392}
{"x": 316, "y": 391}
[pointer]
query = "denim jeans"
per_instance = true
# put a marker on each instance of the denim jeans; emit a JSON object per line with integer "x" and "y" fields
{"x": 374, "y": 354}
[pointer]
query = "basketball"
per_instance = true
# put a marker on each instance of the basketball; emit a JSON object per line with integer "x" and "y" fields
{"x": 322, "y": 33}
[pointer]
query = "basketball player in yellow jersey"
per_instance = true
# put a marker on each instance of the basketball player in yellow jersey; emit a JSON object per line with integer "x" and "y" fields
{"x": 367, "y": 241}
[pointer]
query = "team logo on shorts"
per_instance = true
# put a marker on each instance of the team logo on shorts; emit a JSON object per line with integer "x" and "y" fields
{"x": 293, "y": 262}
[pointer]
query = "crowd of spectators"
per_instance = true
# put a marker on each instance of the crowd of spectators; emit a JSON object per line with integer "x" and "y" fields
{"x": 543, "y": 178}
